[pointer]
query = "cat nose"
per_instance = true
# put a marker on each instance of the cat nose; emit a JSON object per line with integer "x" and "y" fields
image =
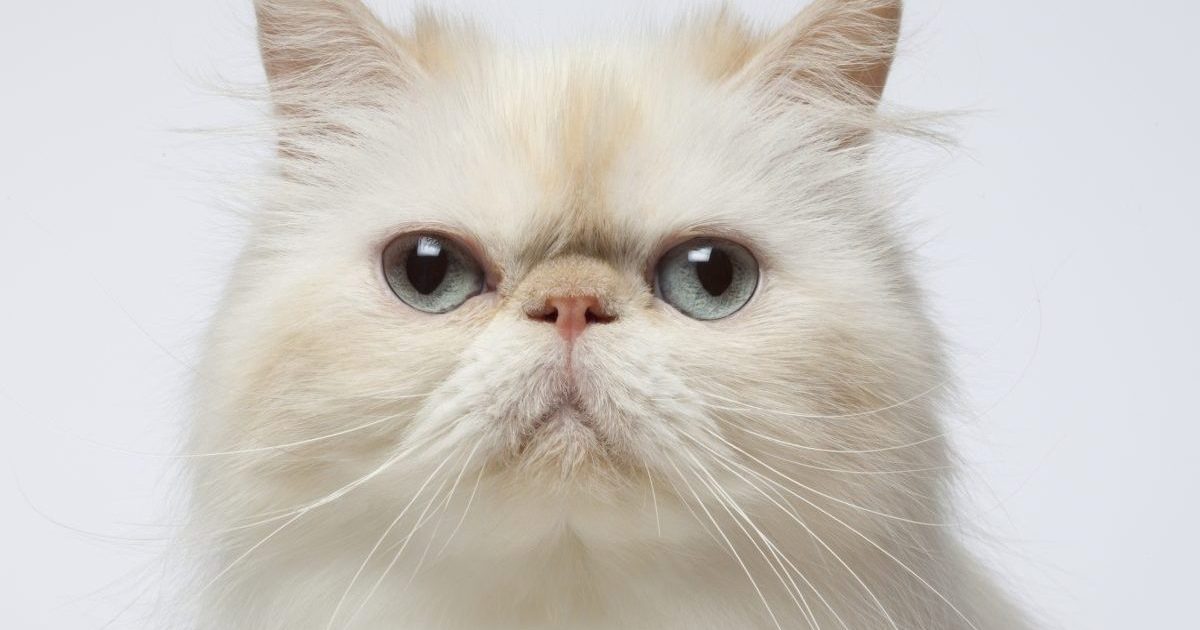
{"x": 571, "y": 314}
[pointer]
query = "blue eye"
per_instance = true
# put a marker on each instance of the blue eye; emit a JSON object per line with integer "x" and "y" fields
{"x": 706, "y": 278}
{"x": 431, "y": 273}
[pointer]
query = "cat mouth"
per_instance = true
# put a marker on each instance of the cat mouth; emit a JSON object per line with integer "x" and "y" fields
{"x": 565, "y": 436}
{"x": 563, "y": 425}
{"x": 562, "y": 442}
{"x": 565, "y": 417}
{"x": 565, "y": 411}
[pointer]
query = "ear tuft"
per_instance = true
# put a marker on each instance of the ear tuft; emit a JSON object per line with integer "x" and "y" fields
{"x": 326, "y": 60}
{"x": 719, "y": 40}
{"x": 327, "y": 48}
{"x": 834, "y": 49}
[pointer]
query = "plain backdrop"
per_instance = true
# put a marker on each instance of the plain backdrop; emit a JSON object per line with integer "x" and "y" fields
{"x": 1059, "y": 241}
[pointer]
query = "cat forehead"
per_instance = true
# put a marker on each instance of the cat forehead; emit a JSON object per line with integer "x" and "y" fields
{"x": 564, "y": 154}
{"x": 571, "y": 129}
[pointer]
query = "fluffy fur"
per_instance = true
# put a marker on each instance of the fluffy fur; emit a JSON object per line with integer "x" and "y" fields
{"x": 366, "y": 465}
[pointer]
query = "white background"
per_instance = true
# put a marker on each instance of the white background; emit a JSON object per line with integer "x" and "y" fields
{"x": 1060, "y": 244}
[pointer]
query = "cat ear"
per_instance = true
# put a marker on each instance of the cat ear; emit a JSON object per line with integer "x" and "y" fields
{"x": 323, "y": 49}
{"x": 834, "y": 49}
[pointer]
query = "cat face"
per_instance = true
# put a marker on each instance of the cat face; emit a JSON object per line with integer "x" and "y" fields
{"x": 566, "y": 277}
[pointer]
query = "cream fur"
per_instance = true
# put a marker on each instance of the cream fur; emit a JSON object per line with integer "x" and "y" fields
{"x": 372, "y": 466}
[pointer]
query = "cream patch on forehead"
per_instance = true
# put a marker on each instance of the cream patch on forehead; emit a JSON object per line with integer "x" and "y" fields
{"x": 570, "y": 135}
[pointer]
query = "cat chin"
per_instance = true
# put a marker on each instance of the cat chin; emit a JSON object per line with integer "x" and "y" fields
{"x": 530, "y": 512}
{"x": 565, "y": 459}
{"x": 563, "y": 439}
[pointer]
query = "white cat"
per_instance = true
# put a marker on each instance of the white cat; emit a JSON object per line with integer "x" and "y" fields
{"x": 604, "y": 337}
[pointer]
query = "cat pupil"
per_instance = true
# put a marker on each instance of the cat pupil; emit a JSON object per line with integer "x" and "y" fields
{"x": 426, "y": 265}
{"x": 716, "y": 273}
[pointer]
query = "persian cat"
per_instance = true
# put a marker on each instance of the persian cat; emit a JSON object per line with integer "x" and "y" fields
{"x": 611, "y": 336}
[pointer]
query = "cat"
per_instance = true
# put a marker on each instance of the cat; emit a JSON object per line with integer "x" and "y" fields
{"x": 609, "y": 336}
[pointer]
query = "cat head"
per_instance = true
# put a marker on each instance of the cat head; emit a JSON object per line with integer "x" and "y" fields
{"x": 573, "y": 276}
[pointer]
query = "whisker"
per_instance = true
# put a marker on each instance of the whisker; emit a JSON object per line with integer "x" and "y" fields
{"x": 732, "y": 548}
{"x": 229, "y": 567}
{"x": 725, "y": 501}
{"x": 442, "y": 510}
{"x": 815, "y": 449}
{"x": 327, "y": 499}
{"x": 332, "y": 496}
{"x": 892, "y": 557}
{"x": 869, "y": 541}
{"x": 244, "y": 451}
{"x": 867, "y": 473}
{"x": 362, "y": 567}
{"x": 395, "y": 558}
{"x": 682, "y": 499}
{"x": 822, "y": 494}
{"x": 653, "y": 499}
{"x": 779, "y": 554}
{"x": 722, "y": 459}
{"x": 840, "y": 416}
{"x": 463, "y": 518}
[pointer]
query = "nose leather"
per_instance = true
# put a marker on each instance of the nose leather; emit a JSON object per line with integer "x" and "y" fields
{"x": 571, "y": 315}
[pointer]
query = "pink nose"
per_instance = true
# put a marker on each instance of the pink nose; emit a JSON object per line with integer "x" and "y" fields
{"x": 571, "y": 315}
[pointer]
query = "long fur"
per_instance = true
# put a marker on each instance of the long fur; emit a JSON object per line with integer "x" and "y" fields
{"x": 360, "y": 464}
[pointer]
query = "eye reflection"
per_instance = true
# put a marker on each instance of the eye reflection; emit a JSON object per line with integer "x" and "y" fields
{"x": 426, "y": 265}
{"x": 429, "y": 246}
{"x": 700, "y": 254}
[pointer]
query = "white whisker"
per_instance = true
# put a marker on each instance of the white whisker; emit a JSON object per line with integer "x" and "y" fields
{"x": 462, "y": 519}
{"x": 854, "y": 574}
{"x": 823, "y": 494}
{"x": 653, "y": 499}
{"x": 726, "y": 502}
{"x": 395, "y": 558}
{"x": 362, "y": 567}
{"x": 804, "y": 447}
{"x": 732, "y": 549}
{"x": 741, "y": 406}
{"x": 442, "y": 511}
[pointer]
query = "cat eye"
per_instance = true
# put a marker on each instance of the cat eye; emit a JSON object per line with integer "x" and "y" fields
{"x": 707, "y": 278}
{"x": 431, "y": 273}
